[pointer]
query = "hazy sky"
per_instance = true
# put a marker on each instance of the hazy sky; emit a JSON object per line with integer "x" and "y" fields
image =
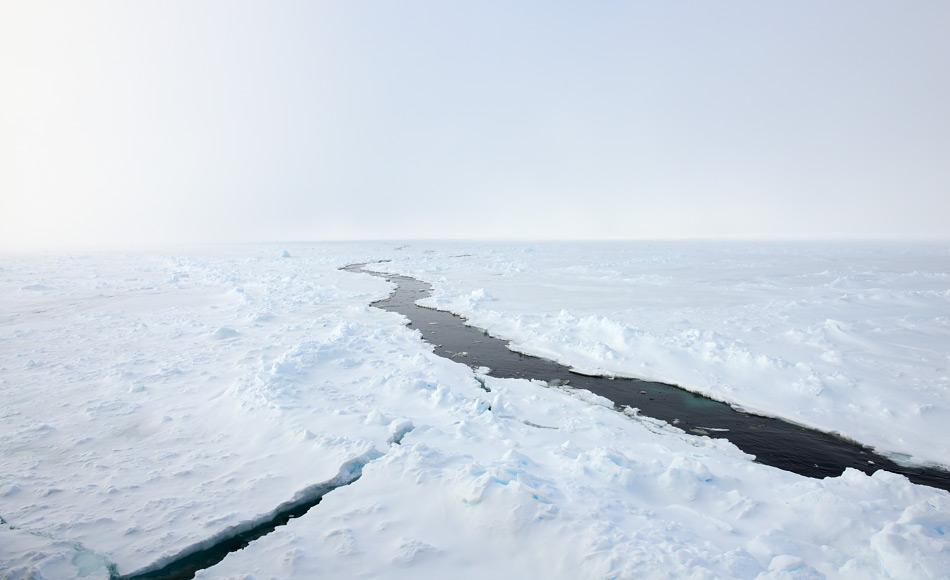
{"x": 130, "y": 122}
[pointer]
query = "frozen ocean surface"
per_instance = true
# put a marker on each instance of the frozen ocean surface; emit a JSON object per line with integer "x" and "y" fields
{"x": 851, "y": 338}
{"x": 155, "y": 401}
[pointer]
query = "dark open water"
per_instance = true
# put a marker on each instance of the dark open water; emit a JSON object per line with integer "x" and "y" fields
{"x": 772, "y": 441}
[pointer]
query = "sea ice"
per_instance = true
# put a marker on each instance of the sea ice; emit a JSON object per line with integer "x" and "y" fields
{"x": 851, "y": 338}
{"x": 131, "y": 434}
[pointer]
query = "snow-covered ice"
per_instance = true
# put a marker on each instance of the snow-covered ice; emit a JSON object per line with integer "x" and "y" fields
{"x": 153, "y": 401}
{"x": 852, "y": 338}
{"x": 147, "y": 400}
{"x": 548, "y": 485}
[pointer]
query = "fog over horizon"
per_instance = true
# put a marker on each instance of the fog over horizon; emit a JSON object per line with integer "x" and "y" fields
{"x": 153, "y": 122}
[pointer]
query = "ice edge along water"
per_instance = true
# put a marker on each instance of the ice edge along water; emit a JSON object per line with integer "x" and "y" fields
{"x": 238, "y": 537}
{"x": 339, "y": 354}
{"x": 844, "y": 337}
{"x": 786, "y": 444}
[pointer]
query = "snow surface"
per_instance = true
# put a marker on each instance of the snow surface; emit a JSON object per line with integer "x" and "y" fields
{"x": 151, "y": 402}
{"x": 852, "y": 338}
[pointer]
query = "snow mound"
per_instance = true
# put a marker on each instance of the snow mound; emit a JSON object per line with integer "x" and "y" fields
{"x": 224, "y": 333}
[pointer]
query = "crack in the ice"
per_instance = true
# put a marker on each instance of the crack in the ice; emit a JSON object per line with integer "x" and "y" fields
{"x": 483, "y": 384}
{"x": 214, "y": 549}
{"x": 530, "y": 424}
{"x": 400, "y": 432}
{"x": 789, "y": 445}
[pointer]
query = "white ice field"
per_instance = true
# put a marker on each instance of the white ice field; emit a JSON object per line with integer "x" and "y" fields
{"x": 153, "y": 401}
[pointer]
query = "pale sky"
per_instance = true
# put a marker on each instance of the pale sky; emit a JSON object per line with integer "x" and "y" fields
{"x": 164, "y": 121}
